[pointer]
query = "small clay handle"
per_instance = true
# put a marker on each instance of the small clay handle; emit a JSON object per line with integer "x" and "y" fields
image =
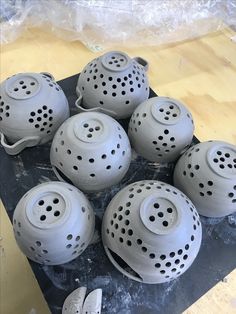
{"x": 59, "y": 177}
{"x": 80, "y": 97}
{"x": 97, "y": 109}
{"x": 16, "y": 148}
{"x": 49, "y": 75}
{"x": 142, "y": 62}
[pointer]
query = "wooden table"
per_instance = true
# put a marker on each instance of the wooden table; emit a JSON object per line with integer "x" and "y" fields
{"x": 201, "y": 73}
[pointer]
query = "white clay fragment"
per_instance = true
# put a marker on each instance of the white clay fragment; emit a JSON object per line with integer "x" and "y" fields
{"x": 93, "y": 302}
{"x": 74, "y": 302}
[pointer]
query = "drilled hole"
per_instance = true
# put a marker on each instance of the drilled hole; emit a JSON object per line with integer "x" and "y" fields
{"x": 69, "y": 236}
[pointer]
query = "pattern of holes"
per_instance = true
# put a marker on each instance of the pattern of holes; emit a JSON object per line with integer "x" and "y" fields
{"x": 106, "y": 159}
{"x": 169, "y": 111}
{"x": 50, "y": 207}
{"x": 225, "y": 160}
{"x": 121, "y": 228}
{"x": 42, "y": 119}
{"x": 90, "y": 129}
{"x": 163, "y": 213}
{"x": 4, "y": 110}
{"x": 206, "y": 186}
{"x": 121, "y": 86}
{"x": 24, "y": 86}
{"x": 51, "y": 83}
{"x": 162, "y": 144}
{"x": 27, "y": 86}
{"x": 73, "y": 241}
{"x": 162, "y": 136}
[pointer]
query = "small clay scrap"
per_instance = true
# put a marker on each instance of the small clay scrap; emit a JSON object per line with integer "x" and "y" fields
{"x": 93, "y": 302}
{"x": 75, "y": 303}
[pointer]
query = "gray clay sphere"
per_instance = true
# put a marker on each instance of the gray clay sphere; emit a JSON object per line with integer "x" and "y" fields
{"x": 114, "y": 84}
{"x": 206, "y": 173}
{"x": 91, "y": 150}
{"x": 151, "y": 232}
{"x": 53, "y": 223}
{"x": 32, "y": 107}
{"x": 160, "y": 129}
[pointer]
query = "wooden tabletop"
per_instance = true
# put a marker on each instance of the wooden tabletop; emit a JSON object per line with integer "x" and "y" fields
{"x": 201, "y": 73}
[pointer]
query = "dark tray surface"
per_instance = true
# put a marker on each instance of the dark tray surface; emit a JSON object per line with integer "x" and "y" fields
{"x": 216, "y": 259}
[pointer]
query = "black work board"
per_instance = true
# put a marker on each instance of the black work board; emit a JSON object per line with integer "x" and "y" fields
{"x": 216, "y": 259}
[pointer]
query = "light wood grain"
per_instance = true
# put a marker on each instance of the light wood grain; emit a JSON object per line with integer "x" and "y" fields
{"x": 19, "y": 290}
{"x": 201, "y": 73}
{"x": 221, "y": 299}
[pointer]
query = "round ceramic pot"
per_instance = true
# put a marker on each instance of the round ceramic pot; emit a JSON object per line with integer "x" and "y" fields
{"x": 207, "y": 174}
{"x": 32, "y": 107}
{"x": 160, "y": 129}
{"x": 114, "y": 84}
{"x": 53, "y": 223}
{"x": 91, "y": 150}
{"x": 151, "y": 232}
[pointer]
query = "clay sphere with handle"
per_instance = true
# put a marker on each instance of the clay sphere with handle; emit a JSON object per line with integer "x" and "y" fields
{"x": 114, "y": 84}
{"x": 207, "y": 174}
{"x": 32, "y": 107}
{"x": 151, "y": 232}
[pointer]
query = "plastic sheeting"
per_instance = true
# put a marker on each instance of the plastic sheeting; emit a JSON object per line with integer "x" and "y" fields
{"x": 100, "y": 24}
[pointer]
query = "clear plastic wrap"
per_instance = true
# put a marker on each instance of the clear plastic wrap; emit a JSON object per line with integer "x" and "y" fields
{"x": 100, "y": 24}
